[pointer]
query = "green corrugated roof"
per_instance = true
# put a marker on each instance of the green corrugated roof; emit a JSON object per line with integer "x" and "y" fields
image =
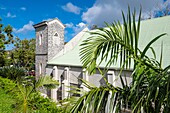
{"x": 71, "y": 58}
{"x": 149, "y": 30}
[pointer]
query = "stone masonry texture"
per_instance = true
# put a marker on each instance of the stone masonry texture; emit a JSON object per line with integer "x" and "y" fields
{"x": 48, "y": 48}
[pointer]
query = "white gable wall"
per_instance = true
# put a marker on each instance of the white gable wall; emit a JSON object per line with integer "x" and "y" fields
{"x": 76, "y": 72}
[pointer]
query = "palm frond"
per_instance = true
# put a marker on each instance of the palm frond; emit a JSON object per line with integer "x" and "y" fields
{"x": 107, "y": 44}
{"x": 47, "y": 82}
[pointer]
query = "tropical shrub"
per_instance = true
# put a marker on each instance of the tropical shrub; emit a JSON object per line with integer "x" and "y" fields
{"x": 25, "y": 96}
{"x": 7, "y": 102}
{"x": 40, "y": 104}
{"x": 28, "y": 92}
{"x": 7, "y": 85}
{"x": 13, "y": 73}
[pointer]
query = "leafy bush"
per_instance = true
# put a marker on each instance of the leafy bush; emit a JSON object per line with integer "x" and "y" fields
{"x": 6, "y": 84}
{"x": 39, "y": 104}
{"x": 36, "y": 103}
{"x": 13, "y": 73}
{"x": 7, "y": 95}
{"x": 6, "y": 103}
{"x": 25, "y": 93}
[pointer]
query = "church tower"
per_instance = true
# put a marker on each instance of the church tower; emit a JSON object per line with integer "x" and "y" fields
{"x": 49, "y": 41}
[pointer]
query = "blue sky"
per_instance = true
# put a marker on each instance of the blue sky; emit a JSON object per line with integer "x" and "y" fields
{"x": 75, "y": 14}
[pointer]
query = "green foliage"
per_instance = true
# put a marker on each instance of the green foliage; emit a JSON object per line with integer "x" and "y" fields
{"x": 28, "y": 88}
{"x": 13, "y": 73}
{"x": 40, "y": 104}
{"x": 24, "y": 96}
{"x": 24, "y": 53}
{"x": 149, "y": 90}
{"x": 36, "y": 103}
{"x": 7, "y": 96}
{"x": 5, "y": 38}
{"x": 7, "y": 85}
{"x": 46, "y": 81}
{"x": 7, "y": 102}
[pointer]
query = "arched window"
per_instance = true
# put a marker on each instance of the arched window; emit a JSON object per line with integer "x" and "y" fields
{"x": 56, "y": 34}
{"x": 40, "y": 68}
{"x": 40, "y": 38}
{"x": 56, "y": 39}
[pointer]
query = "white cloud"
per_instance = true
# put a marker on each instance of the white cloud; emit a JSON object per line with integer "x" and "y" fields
{"x": 25, "y": 28}
{"x": 69, "y": 25}
{"x": 110, "y": 10}
{"x": 76, "y": 28}
{"x": 81, "y": 25}
{"x": 23, "y": 8}
{"x": 9, "y": 15}
{"x": 71, "y": 8}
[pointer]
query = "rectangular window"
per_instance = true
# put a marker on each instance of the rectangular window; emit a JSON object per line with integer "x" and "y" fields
{"x": 40, "y": 68}
{"x": 73, "y": 88}
{"x": 109, "y": 77}
{"x": 40, "y": 38}
{"x": 65, "y": 75}
{"x": 63, "y": 90}
{"x": 59, "y": 93}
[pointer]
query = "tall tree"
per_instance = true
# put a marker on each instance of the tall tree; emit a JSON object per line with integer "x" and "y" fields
{"x": 24, "y": 53}
{"x": 5, "y": 38}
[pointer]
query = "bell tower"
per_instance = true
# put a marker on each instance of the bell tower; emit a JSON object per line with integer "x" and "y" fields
{"x": 49, "y": 41}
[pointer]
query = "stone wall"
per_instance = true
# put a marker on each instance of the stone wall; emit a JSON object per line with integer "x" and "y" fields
{"x": 40, "y": 60}
{"x": 55, "y": 44}
{"x": 49, "y": 45}
{"x": 41, "y": 50}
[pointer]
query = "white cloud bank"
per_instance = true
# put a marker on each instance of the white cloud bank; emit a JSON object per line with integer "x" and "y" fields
{"x": 25, "y": 28}
{"x": 69, "y": 7}
{"x": 110, "y": 10}
{"x": 76, "y": 28}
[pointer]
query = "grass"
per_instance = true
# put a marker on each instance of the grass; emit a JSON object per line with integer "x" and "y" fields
{"x": 6, "y": 102}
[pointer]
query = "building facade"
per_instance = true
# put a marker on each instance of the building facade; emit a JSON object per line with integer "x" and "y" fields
{"x": 49, "y": 41}
{"x": 63, "y": 61}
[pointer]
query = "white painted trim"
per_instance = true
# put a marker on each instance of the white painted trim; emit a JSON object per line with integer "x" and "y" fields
{"x": 86, "y": 77}
{"x": 113, "y": 77}
{"x": 66, "y": 83}
{"x": 55, "y": 73}
{"x": 55, "y": 77}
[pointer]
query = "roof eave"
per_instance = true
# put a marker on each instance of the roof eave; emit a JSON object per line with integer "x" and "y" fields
{"x": 40, "y": 24}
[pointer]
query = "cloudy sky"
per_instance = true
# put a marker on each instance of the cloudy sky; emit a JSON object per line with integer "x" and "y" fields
{"x": 75, "y": 14}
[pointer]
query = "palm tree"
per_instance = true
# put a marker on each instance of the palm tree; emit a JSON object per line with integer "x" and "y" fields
{"x": 29, "y": 87}
{"x": 149, "y": 90}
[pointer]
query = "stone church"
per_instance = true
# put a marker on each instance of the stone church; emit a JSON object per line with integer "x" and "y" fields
{"x": 62, "y": 61}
